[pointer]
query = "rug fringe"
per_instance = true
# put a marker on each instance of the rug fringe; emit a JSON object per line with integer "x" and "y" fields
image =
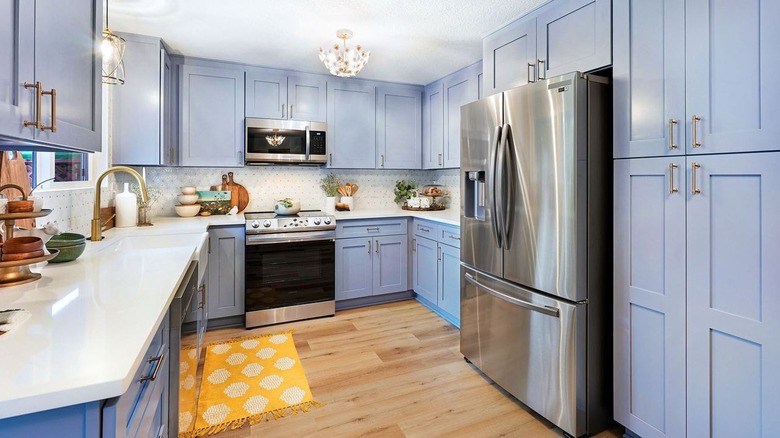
{"x": 252, "y": 419}
{"x": 248, "y": 337}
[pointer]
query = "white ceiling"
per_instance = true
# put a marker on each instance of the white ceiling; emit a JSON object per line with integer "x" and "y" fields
{"x": 411, "y": 41}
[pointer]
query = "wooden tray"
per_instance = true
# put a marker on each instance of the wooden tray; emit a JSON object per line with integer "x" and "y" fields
{"x": 431, "y": 208}
{"x": 29, "y": 214}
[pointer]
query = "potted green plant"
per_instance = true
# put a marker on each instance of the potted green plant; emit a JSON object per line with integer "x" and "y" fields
{"x": 404, "y": 191}
{"x": 330, "y": 185}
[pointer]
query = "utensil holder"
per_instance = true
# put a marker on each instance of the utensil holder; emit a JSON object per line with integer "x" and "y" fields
{"x": 349, "y": 200}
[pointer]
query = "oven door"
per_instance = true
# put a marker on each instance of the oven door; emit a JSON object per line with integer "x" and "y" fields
{"x": 286, "y": 274}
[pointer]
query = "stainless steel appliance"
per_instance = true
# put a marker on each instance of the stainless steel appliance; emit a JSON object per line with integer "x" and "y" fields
{"x": 535, "y": 250}
{"x": 290, "y": 267}
{"x": 271, "y": 141}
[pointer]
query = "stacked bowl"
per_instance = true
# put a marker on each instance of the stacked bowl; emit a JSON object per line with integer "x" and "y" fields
{"x": 70, "y": 245}
{"x": 188, "y": 206}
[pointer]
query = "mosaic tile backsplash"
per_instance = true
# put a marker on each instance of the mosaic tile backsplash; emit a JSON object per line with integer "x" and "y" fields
{"x": 72, "y": 208}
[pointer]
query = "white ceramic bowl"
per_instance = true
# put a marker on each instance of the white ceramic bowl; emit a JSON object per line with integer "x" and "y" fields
{"x": 187, "y": 210}
{"x": 279, "y": 208}
{"x": 188, "y": 190}
{"x": 187, "y": 199}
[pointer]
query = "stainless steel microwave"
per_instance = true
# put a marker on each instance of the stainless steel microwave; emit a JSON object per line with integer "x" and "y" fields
{"x": 271, "y": 141}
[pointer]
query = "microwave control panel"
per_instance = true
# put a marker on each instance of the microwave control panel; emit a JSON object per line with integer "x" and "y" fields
{"x": 317, "y": 142}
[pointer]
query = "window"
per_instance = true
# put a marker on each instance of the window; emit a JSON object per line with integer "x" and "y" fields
{"x": 57, "y": 166}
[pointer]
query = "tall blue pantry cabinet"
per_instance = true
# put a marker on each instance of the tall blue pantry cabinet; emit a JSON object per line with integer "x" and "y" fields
{"x": 697, "y": 208}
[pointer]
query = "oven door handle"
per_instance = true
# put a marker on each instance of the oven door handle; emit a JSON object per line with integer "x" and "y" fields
{"x": 266, "y": 240}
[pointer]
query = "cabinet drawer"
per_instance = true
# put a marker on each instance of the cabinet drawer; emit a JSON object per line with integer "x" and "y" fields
{"x": 373, "y": 227}
{"x": 449, "y": 236}
{"x": 426, "y": 229}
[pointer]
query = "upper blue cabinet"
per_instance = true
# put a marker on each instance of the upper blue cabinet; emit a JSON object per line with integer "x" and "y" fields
{"x": 695, "y": 77}
{"x": 560, "y": 37}
{"x": 399, "y": 127}
{"x": 52, "y": 47}
{"x": 351, "y": 125}
{"x": 272, "y": 94}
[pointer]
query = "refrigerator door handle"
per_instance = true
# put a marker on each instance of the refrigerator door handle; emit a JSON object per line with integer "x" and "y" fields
{"x": 547, "y": 310}
{"x": 499, "y": 191}
{"x": 507, "y": 210}
{"x": 494, "y": 193}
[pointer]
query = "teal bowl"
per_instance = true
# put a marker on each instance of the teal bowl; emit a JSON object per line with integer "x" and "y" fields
{"x": 67, "y": 253}
{"x": 66, "y": 239}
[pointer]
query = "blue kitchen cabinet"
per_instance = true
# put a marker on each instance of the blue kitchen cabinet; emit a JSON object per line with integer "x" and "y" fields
{"x": 425, "y": 268}
{"x": 460, "y": 88}
{"x": 53, "y": 43}
{"x": 509, "y": 56}
{"x": 433, "y": 126}
{"x": 351, "y": 133}
{"x": 77, "y": 421}
{"x": 732, "y": 65}
{"x": 648, "y": 72}
{"x": 142, "y": 108}
{"x": 273, "y": 94}
{"x": 733, "y": 305}
{"x": 649, "y": 296}
{"x": 354, "y": 272}
{"x": 399, "y": 127}
{"x": 227, "y": 257}
{"x": 211, "y": 118}
{"x": 449, "y": 280}
{"x": 390, "y": 264}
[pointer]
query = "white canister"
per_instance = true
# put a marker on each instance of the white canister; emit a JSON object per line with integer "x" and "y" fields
{"x": 330, "y": 205}
{"x": 126, "y": 208}
{"x": 349, "y": 200}
{"x": 425, "y": 202}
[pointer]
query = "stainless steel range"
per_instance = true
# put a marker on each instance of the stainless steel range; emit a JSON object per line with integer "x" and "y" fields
{"x": 290, "y": 267}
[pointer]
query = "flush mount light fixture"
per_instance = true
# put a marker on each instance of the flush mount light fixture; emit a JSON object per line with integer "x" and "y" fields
{"x": 113, "y": 48}
{"x": 276, "y": 139}
{"x": 343, "y": 61}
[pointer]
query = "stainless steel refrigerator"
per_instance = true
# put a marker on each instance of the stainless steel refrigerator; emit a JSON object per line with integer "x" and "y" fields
{"x": 536, "y": 246}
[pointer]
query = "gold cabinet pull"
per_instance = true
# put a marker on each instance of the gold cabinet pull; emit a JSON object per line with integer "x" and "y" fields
{"x": 38, "y": 96}
{"x": 695, "y": 141}
{"x": 539, "y": 74}
{"x": 53, "y": 126}
{"x": 694, "y": 188}
{"x": 672, "y": 188}
{"x": 531, "y": 76}
{"x": 672, "y": 144}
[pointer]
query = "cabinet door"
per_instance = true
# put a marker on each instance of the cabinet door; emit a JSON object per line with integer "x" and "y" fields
{"x": 449, "y": 280}
{"x": 433, "y": 126}
{"x": 266, "y": 95}
{"x": 573, "y": 35}
{"x": 226, "y": 272}
{"x": 509, "y": 57}
{"x": 732, "y": 66}
{"x": 424, "y": 269}
{"x": 399, "y": 127}
{"x": 68, "y": 60}
{"x": 212, "y": 117}
{"x": 137, "y": 106}
{"x": 459, "y": 89}
{"x": 351, "y": 125}
{"x": 649, "y": 307}
{"x": 391, "y": 265}
{"x": 353, "y": 268}
{"x": 648, "y": 72}
{"x": 307, "y": 95}
{"x": 17, "y": 18}
{"x": 734, "y": 296}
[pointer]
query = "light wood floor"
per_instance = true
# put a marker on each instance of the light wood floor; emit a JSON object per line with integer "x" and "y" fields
{"x": 393, "y": 371}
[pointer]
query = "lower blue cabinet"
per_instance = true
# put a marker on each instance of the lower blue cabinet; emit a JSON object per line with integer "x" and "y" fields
{"x": 436, "y": 268}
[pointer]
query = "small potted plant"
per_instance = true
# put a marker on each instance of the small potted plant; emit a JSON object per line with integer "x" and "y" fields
{"x": 330, "y": 185}
{"x": 406, "y": 191}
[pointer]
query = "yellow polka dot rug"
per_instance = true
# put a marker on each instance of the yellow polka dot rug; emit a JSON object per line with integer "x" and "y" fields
{"x": 250, "y": 379}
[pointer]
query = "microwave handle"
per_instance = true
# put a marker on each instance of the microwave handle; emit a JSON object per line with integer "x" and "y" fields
{"x": 308, "y": 143}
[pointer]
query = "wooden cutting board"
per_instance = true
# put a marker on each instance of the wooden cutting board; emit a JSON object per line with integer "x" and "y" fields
{"x": 239, "y": 196}
{"x": 13, "y": 170}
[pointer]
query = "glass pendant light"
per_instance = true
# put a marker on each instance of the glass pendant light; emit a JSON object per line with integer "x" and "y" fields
{"x": 342, "y": 61}
{"x": 113, "y": 48}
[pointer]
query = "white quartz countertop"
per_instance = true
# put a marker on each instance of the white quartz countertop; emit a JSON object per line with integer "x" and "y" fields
{"x": 448, "y": 217}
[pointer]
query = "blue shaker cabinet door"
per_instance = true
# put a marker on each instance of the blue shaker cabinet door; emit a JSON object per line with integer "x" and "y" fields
{"x": 509, "y": 57}
{"x": 732, "y": 67}
{"x": 734, "y": 295}
{"x": 266, "y": 95}
{"x": 433, "y": 126}
{"x": 354, "y": 273}
{"x": 459, "y": 89}
{"x": 16, "y": 68}
{"x": 307, "y": 96}
{"x": 399, "y": 127}
{"x": 226, "y": 272}
{"x": 649, "y": 306}
{"x": 391, "y": 270}
{"x": 351, "y": 125}
{"x": 212, "y": 117}
{"x": 424, "y": 269}
{"x": 449, "y": 280}
{"x": 648, "y": 72}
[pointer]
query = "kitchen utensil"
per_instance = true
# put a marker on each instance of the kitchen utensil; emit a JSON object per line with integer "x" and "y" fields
{"x": 13, "y": 175}
{"x": 281, "y": 208}
{"x": 66, "y": 239}
{"x": 353, "y": 188}
{"x": 24, "y": 206}
{"x": 187, "y": 199}
{"x": 68, "y": 253}
{"x": 240, "y": 196}
{"x": 22, "y": 244}
{"x": 188, "y": 190}
{"x": 224, "y": 185}
{"x": 12, "y": 257}
{"x": 187, "y": 210}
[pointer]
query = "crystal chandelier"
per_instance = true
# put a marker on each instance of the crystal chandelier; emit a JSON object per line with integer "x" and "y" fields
{"x": 113, "y": 48}
{"x": 343, "y": 61}
{"x": 276, "y": 139}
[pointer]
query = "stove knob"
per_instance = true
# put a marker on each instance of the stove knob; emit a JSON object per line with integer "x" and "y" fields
{"x": 266, "y": 223}
{"x": 327, "y": 221}
{"x": 255, "y": 224}
{"x": 316, "y": 221}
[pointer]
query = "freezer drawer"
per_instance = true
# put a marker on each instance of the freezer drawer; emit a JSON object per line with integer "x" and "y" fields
{"x": 531, "y": 345}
